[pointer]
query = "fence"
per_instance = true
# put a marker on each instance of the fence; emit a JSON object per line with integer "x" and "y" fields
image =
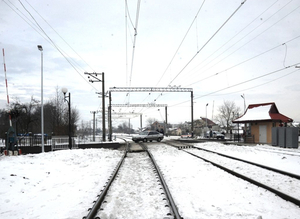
{"x": 55, "y": 142}
{"x": 62, "y": 143}
{"x": 31, "y": 141}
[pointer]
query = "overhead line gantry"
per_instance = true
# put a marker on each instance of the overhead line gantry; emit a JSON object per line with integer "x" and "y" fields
{"x": 149, "y": 105}
{"x": 149, "y": 89}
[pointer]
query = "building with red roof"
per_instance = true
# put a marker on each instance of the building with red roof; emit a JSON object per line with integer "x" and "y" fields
{"x": 260, "y": 119}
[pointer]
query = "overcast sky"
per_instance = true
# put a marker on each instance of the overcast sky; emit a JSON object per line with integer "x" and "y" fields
{"x": 221, "y": 49}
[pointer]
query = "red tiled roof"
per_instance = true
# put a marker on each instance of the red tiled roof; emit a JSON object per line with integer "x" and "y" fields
{"x": 278, "y": 116}
{"x": 209, "y": 122}
{"x": 262, "y": 112}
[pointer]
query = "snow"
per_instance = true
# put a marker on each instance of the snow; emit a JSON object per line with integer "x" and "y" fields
{"x": 63, "y": 184}
{"x": 135, "y": 188}
{"x": 285, "y": 184}
{"x": 256, "y": 113}
{"x": 60, "y": 184}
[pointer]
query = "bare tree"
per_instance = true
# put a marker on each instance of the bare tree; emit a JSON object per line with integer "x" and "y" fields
{"x": 150, "y": 121}
{"x": 57, "y": 110}
{"x": 227, "y": 112}
{"x": 57, "y": 115}
{"x": 25, "y": 115}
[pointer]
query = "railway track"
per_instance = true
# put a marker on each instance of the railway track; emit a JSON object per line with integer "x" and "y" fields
{"x": 124, "y": 189}
{"x": 262, "y": 176}
{"x": 278, "y": 150}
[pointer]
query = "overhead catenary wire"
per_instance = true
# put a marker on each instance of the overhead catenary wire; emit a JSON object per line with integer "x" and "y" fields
{"x": 259, "y": 85}
{"x": 142, "y": 110}
{"x": 261, "y": 76}
{"x": 181, "y": 42}
{"x": 220, "y": 27}
{"x": 238, "y": 33}
{"x": 244, "y": 61}
{"x": 60, "y": 36}
{"x": 240, "y": 83}
{"x": 134, "y": 42}
{"x": 251, "y": 39}
{"x": 127, "y": 16}
{"x": 207, "y": 42}
{"x": 41, "y": 31}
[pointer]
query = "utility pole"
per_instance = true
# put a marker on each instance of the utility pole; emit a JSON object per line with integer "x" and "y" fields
{"x": 109, "y": 117}
{"x": 129, "y": 126}
{"x": 192, "y": 113}
{"x": 166, "y": 124}
{"x": 212, "y": 113}
{"x": 206, "y": 115}
{"x": 94, "y": 78}
{"x": 94, "y": 112}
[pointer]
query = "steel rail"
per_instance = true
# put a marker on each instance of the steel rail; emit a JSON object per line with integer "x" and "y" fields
{"x": 275, "y": 191}
{"x": 242, "y": 160}
{"x": 95, "y": 208}
{"x": 164, "y": 184}
{"x": 250, "y": 162}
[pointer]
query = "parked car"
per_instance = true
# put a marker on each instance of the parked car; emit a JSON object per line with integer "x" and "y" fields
{"x": 215, "y": 134}
{"x": 148, "y": 136}
{"x": 186, "y": 136}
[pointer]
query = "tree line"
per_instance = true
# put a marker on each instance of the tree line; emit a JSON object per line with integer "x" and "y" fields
{"x": 26, "y": 117}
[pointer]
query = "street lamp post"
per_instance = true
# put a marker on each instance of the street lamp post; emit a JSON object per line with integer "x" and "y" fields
{"x": 42, "y": 101}
{"x": 206, "y": 116}
{"x": 65, "y": 90}
{"x": 243, "y": 96}
{"x": 245, "y": 124}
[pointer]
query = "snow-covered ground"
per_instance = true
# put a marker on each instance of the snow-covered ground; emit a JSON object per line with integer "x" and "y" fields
{"x": 63, "y": 184}
{"x": 60, "y": 184}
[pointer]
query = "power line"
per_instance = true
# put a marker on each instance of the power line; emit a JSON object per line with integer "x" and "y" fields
{"x": 253, "y": 57}
{"x": 254, "y": 37}
{"x": 127, "y": 13}
{"x": 208, "y": 41}
{"x": 181, "y": 42}
{"x": 259, "y": 84}
{"x": 134, "y": 42}
{"x": 261, "y": 76}
{"x": 239, "y": 32}
{"x": 243, "y": 82}
{"x": 44, "y": 34}
{"x": 60, "y": 36}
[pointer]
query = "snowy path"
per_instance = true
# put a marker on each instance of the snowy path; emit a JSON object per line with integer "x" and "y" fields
{"x": 135, "y": 192}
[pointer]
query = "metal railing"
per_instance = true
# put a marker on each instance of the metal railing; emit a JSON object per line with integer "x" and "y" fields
{"x": 31, "y": 141}
{"x": 56, "y": 142}
{"x": 62, "y": 143}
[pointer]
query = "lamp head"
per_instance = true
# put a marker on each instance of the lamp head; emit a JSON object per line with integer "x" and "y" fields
{"x": 64, "y": 90}
{"x": 40, "y": 47}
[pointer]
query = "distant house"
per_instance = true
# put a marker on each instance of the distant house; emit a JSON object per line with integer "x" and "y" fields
{"x": 259, "y": 120}
{"x": 158, "y": 126}
{"x": 175, "y": 131}
{"x": 210, "y": 123}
